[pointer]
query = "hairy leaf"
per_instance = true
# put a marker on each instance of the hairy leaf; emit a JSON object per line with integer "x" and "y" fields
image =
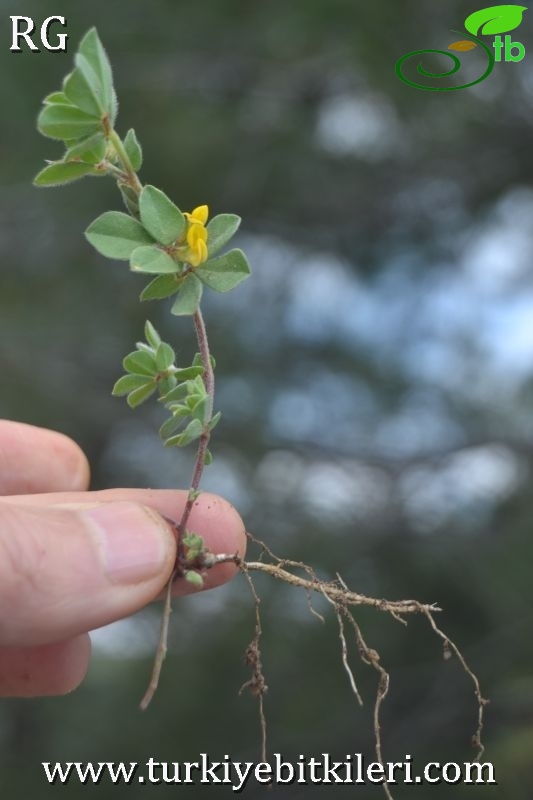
{"x": 63, "y": 122}
{"x": 92, "y": 60}
{"x": 63, "y": 172}
{"x": 160, "y": 216}
{"x": 220, "y": 230}
{"x": 81, "y": 94}
{"x": 116, "y": 235}
{"x": 91, "y": 149}
{"x": 188, "y": 299}
{"x": 161, "y": 287}
{"x": 225, "y": 272}
{"x": 128, "y": 383}
{"x": 152, "y": 259}
{"x": 133, "y": 149}
{"x": 140, "y": 363}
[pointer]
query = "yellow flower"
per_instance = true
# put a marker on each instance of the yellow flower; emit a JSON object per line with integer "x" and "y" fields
{"x": 196, "y": 236}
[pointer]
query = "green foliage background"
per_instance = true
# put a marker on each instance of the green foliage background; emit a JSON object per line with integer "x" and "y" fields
{"x": 375, "y": 374}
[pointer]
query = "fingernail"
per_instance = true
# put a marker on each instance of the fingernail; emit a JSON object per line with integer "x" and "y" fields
{"x": 133, "y": 541}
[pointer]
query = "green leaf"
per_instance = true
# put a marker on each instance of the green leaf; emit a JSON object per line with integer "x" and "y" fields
{"x": 128, "y": 383}
{"x": 81, "y": 94}
{"x": 208, "y": 459}
{"x": 141, "y": 394}
{"x": 197, "y": 360}
{"x": 166, "y": 384}
{"x": 179, "y": 393}
{"x": 133, "y": 150}
{"x": 493, "y": 20}
{"x": 164, "y": 356}
{"x": 201, "y": 410}
{"x": 193, "y": 577}
{"x": 91, "y": 149}
{"x": 151, "y": 335}
{"x": 152, "y": 260}
{"x": 224, "y": 273}
{"x": 220, "y": 230}
{"x": 131, "y": 201}
{"x": 187, "y": 373}
{"x": 116, "y": 235}
{"x": 160, "y": 216}
{"x": 140, "y": 363}
{"x": 170, "y": 426}
{"x": 160, "y": 287}
{"x": 194, "y": 543}
{"x": 92, "y": 60}
{"x": 188, "y": 299}
{"x": 193, "y": 431}
{"x": 145, "y": 348}
{"x": 59, "y": 121}
{"x": 214, "y": 421}
{"x": 63, "y": 172}
{"x": 57, "y": 97}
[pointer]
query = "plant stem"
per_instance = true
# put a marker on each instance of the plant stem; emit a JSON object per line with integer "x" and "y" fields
{"x": 209, "y": 381}
{"x": 120, "y": 150}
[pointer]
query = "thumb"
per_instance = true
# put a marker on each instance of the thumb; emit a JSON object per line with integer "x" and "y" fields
{"x": 64, "y": 571}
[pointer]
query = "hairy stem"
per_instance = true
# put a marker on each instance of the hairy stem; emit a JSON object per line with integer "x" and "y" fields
{"x": 133, "y": 179}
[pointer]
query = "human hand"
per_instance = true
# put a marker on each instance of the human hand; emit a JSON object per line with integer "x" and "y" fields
{"x": 73, "y": 560}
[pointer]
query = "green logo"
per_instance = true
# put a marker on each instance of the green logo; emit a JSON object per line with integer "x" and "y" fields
{"x": 486, "y": 22}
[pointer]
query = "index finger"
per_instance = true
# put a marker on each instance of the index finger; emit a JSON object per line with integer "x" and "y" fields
{"x": 38, "y": 460}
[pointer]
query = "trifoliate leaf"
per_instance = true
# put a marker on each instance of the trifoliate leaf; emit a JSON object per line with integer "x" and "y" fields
{"x": 164, "y": 356}
{"x": 133, "y": 150}
{"x": 161, "y": 218}
{"x": 161, "y": 287}
{"x": 220, "y": 230}
{"x": 225, "y": 272}
{"x": 90, "y": 149}
{"x": 140, "y": 363}
{"x": 116, "y": 235}
{"x": 63, "y": 172}
{"x": 152, "y": 260}
{"x": 138, "y": 396}
{"x": 151, "y": 335}
{"x": 63, "y": 122}
{"x": 81, "y": 94}
{"x": 128, "y": 383}
{"x": 188, "y": 299}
